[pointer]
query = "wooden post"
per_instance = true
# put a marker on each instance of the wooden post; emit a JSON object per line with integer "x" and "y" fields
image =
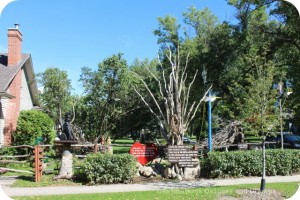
{"x": 96, "y": 148}
{"x": 38, "y": 163}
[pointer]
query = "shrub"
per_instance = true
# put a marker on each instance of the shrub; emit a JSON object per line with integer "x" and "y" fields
{"x": 107, "y": 168}
{"x": 34, "y": 124}
{"x": 249, "y": 163}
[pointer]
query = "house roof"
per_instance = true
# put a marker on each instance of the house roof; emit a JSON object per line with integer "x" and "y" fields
{"x": 7, "y": 74}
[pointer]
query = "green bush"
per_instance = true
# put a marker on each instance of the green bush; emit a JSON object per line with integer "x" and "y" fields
{"x": 249, "y": 163}
{"x": 107, "y": 168}
{"x": 33, "y": 125}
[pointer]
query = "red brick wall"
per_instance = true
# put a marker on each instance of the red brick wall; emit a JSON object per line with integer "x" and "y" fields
{"x": 13, "y": 108}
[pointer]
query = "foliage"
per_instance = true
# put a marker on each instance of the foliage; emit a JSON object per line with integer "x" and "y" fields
{"x": 263, "y": 35}
{"x": 105, "y": 89}
{"x": 55, "y": 96}
{"x": 254, "y": 94}
{"x": 272, "y": 23}
{"x": 167, "y": 31}
{"x": 33, "y": 124}
{"x": 108, "y": 168}
{"x": 136, "y": 115}
{"x": 249, "y": 163}
{"x": 7, "y": 151}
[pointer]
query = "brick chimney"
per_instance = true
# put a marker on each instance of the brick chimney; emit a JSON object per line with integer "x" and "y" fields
{"x": 14, "y": 54}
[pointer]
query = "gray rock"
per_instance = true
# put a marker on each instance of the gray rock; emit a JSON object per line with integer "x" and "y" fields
{"x": 147, "y": 171}
{"x": 192, "y": 173}
{"x": 173, "y": 174}
{"x": 66, "y": 169}
{"x": 167, "y": 172}
{"x": 179, "y": 177}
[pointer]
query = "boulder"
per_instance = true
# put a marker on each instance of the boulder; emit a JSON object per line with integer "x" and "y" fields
{"x": 192, "y": 173}
{"x": 138, "y": 166}
{"x": 167, "y": 172}
{"x": 147, "y": 171}
{"x": 179, "y": 177}
{"x": 66, "y": 170}
{"x": 173, "y": 174}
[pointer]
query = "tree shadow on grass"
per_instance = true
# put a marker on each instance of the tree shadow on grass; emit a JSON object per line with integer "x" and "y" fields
{"x": 26, "y": 178}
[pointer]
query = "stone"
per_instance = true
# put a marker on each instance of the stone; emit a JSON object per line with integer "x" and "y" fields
{"x": 66, "y": 169}
{"x": 167, "y": 172}
{"x": 179, "y": 177}
{"x": 147, "y": 171}
{"x": 173, "y": 174}
{"x": 192, "y": 172}
{"x": 138, "y": 166}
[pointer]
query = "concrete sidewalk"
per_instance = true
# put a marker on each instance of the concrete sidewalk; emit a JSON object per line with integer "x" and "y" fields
{"x": 61, "y": 190}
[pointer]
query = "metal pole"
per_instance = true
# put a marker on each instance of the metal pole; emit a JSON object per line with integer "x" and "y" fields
{"x": 281, "y": 132}
{"x": 263, "y": 179}
{"x": 209, "y": 123}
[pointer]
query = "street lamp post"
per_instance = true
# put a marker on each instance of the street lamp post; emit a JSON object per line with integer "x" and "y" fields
{"x": 263, "y": 178}
{"x": 209, "y": 122}
{"x": 280, "y": 90}
{"x": 282, "y": 94}
{"x": 204, "y": 76}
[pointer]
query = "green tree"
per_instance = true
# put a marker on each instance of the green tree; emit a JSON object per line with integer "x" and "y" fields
{"x": 168, "y": 32}
{"x": 255, "y": 97}
{"x": 55, "y": 97}
{"x": 274, "y": 23}
{"x": 104, "y": 90}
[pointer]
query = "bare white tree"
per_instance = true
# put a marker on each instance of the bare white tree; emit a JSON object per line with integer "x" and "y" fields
{"x": 176, "y": 112}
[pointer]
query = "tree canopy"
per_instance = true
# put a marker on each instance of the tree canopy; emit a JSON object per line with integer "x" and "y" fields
{"x": 245, "y": 60}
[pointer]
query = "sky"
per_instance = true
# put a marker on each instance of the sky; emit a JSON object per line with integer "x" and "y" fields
{"x": 71, "y": 34}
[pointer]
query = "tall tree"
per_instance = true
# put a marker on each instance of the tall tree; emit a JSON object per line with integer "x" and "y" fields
{"x": 56, "y": 93}
{"x": 168, "y": 32}
{"x": 104, "y": 89}
{"x": 276, "y": 23}
{"x": 255, "y": 96}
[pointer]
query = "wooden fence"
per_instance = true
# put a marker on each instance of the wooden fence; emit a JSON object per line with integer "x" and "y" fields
{"x": 37, "y": 153}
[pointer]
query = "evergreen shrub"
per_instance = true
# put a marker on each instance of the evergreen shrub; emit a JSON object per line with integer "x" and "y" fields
{"x": 34, "y": 125}
{"x": 107, "y": 168}
{"x": 249, "y": 163}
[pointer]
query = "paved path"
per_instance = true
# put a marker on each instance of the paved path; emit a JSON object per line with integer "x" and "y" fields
{"x": 5, "y": 183}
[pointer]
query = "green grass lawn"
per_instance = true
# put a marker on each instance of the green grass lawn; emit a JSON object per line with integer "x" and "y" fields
{"x": 47, "y": 180}
{"x": 203, "y": 193}
{"x": 123, "y": 141}
{"x": 122, "y": 149}
{"x": 253, "y": 139}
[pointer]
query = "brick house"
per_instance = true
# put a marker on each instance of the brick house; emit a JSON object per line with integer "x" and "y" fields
{"x": 18, "y": 89}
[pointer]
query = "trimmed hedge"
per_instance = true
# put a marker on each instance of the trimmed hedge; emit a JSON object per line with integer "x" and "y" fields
{"x": 249, "y": 163}
{"x": 108, "y": 168}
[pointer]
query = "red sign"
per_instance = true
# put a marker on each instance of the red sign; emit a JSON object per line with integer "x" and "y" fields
{"x": 144, "y": 152}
